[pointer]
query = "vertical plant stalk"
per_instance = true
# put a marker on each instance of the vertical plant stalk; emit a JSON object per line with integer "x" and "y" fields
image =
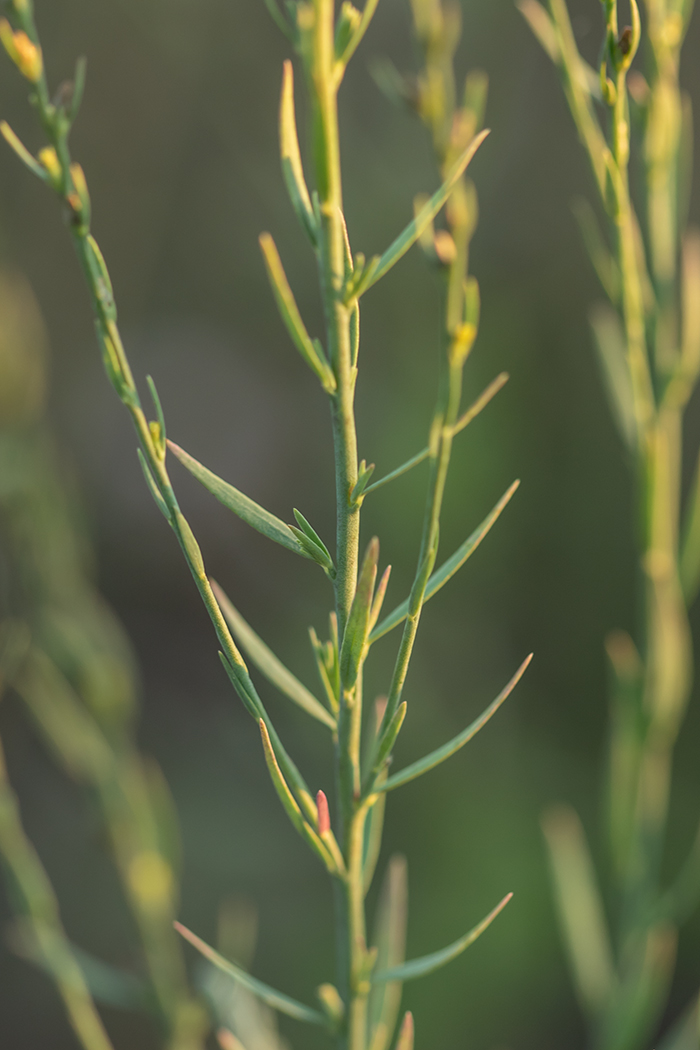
{"x": 650, "y": 360}
{"x": 324, "y": 44}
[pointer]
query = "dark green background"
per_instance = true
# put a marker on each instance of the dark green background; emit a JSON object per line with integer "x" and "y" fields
{"x": 178, "y": 140}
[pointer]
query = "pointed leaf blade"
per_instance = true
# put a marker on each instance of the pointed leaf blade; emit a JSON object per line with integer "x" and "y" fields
{"x": 464, "y": 420}
{"x": 356, "y": 629}
{"x": 580, "y": 908}
{"x": 426, "y": 215}
{"x": 406, "y": 1035}
{"x": 277, "y": 1000}
{"x": 429, "y": 963}
{"x": 290, "y": 804}
{"x": 242, "y": 506}
{"x": 292, "y": 167}
{"x": 289, "y": 312}
{"x": 441, "y": 754}
{"x": 449, "y": 568}
{"x": 390, "y": 941}
{"x": 268, "y": 664}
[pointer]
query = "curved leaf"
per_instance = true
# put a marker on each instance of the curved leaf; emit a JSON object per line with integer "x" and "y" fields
{"x": 410, "y": 235}
{"x": 427, "y": 963}
{"x": 245, "y": 508}
{"x": 268, "y": 664}
{"x": 284, "y": 1003}
{"x": 447, "y": 750}
{"x": 448, "y": 569}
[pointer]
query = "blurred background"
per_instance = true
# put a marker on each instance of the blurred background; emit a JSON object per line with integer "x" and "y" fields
{"x": 178, "y": 139}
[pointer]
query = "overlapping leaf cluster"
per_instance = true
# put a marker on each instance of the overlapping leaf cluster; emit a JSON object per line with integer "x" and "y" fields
{"x": 362, "y": 1009}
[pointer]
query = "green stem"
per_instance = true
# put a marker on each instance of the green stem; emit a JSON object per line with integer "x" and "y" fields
{"x": 351, "y": 933}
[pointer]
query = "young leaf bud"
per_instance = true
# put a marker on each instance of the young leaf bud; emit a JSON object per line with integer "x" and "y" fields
{"x": 25, "y": 54}
{"x": 324, "y": 819}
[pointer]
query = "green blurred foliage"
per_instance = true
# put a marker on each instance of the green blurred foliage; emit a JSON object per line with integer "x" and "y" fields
{"x": 178, "y": 140}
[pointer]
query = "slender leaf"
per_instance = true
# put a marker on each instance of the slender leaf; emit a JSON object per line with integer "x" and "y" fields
{"x": 448, "y": 569}
{"x": 374, "y": 826}
{"x": 357, "y": 628}
{"x": 407, "y": 1033}
{"x": 78, "y": 88}
{"x": 309, "y": 349}
{"x": 321, "y": 553}
{"x": 605, "y": 266}
{"x": 435, "y": 758}
{"x": 244, "y": 507}
{"x": 389, "y": 739}
{"x": 390, "y": 942}
{"x": 541, "y": 25}
{"x": 325, "y": 673}
{"x": 290, "y": 804}
{"x": 277, "y": 1000}
{"x": 428, "y": 963}
{"x": 152, "y": 487}
{"x": 279, "y": 19}
{"x": 356, "y": 38}
{"x": 612, "y": 353}
{"x": 22, "y": 152}
{"x": 292, "y": 167}
{"x": 266, "y": 662}
{"x": 426, "y": 215}
{"x": 580, "y": 909}
{"x": 690, "y": 346}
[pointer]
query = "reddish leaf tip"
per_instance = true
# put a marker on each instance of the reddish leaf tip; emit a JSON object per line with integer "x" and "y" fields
{"x": 324, "y": 818}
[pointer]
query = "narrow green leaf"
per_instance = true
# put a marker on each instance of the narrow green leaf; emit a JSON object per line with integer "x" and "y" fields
{"x": 379, "y": 596}
{"x": 290, "y": 805}
{"x": 22, "y": 152}
{"x": 277, "y": 1000}
{"x": 289, "y": 312}
{"x": 244, "y": 507}
{"x": 78, "y": 88}
{"x": 389, "y": 739}
{"x": 414, "y": 229}
{"x": 353, "y": 649}
{"x": 266, "y": 662}
{"x": 423, "y": 765}
{"x": 153, "y": 488}
{"x": 541, "y": 25}
{"x": 612, "y": 354}
{"x": 313, "y": 536}
{"x": 243, "y": 685}
{"x": 374, "y": 827}
{"x": 604, "y": 264}
{"x": 249, "y": 701}
{"x": 428, "y": 963}
{"x": 356, "y": 38}
{"x": 448, "y": 569}
{"x": 690, "y": 352}
{"x": 390, "y": 942}
{"x": 292, "y": 167}
{"x": 328, "y": 679}
{"x": 471, "y": 413}
{"x": 279, "y": 19}
{"x": 160, "y": 443}
{"x": 626, "y": 743}
{"x": 580, "y": 908}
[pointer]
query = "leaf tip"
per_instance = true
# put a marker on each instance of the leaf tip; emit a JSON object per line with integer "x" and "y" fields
{"x": 324, "y": 819}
